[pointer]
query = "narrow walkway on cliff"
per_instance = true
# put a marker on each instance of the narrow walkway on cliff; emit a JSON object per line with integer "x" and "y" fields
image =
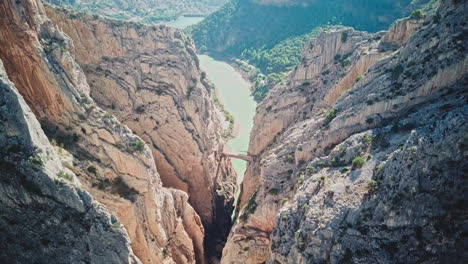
{"x": 238, "y": 156}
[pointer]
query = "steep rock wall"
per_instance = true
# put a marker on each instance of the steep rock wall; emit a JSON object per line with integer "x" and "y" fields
{"x": 367, "y": 152}
{"x": 111, "y": 162}
{"x": 37, "y": 198}
{"x": 149, "y": 78}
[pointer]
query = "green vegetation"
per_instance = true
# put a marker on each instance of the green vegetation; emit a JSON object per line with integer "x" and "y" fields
{"x": 359, "y": 78}
{"x": 65, "y": 176}
{"x": 417, "y": 14}
{"x": 119, "y": 10}
{"x": 92, "y": 169}
{"x": 273, "y": 43}
{"x": 137, "y": 145}
{"x": 280, "y": 58}
{"x": 358, "y": 162}
{"x": 321, "y": 164}
{"x": 300, "y": 181}
{"x": 331, "y": 115}
{"x": 36, "y": 160}
{"x": 273, "y": 191}
{"x": 367, "y": 139}
{"x": 289, "y": 158}
{"x": 311, "y": 169}
{"x": 346, "y": 62}
{"x": 249, "y": 208}
{"x": 372, "y": 185}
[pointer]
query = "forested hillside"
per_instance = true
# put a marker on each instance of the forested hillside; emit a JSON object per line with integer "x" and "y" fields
{"x": 270, "y": 35}
{"x": 147, "y": 11}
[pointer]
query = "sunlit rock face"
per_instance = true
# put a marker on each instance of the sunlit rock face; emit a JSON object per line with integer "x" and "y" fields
{"x": 44, "y": 210}
{"x": 149, "y": 78}
{"x": 360, "y": 154}
{"x": 110, "y": 162}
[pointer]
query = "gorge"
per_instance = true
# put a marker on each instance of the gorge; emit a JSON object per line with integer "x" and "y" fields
{"x": 118, "y": 138}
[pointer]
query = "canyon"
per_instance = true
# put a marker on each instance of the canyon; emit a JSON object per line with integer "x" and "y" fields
{"x": 150, "y": 188}
{"x": 359, "y": 155}
{"x": 116, "y": 140}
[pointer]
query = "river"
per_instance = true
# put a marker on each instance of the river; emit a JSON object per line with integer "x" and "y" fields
{"x": 234, "y": 93}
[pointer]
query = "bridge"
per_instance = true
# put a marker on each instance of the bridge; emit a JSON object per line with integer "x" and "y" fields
{"x": 238, "y": 156}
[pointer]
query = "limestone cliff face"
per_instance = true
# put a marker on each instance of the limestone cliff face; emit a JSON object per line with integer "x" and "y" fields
{"x": 360, "y": 156}
{"x": 39, "y": 194}
{"x": 149, "y": 78}
{"x": 110, "y": 162}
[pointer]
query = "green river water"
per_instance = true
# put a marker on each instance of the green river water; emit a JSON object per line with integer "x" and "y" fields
{"x": 234, "y": 93}
{"x": 235, "y": 96}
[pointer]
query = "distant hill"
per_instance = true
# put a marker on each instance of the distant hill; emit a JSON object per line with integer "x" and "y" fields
{"x": 270, "y": 34}
{"x": 144, "y": 10}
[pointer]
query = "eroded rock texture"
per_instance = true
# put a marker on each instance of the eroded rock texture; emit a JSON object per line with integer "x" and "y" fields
{"x": 361, "y": 156}
{"x": 45, "y": 217}
{"x": 110, "y": 162}
{"x": 149, "y": 78}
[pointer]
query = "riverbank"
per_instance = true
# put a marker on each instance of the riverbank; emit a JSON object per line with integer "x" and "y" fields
{"x": 234, "y": 93}
{"x": 247, "y": 71}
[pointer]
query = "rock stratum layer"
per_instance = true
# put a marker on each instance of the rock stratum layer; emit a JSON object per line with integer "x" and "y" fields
{"x": 35, "y": 198}
{"x": 360, "y": 157}
{"x": 149, "y": 78}
{"x": 109, "y": 161}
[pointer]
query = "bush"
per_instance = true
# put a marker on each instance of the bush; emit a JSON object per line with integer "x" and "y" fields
{"x": 36, "y": 159}
{"x": 138, "y": 145}
{"x": 273, "y": 191}
{"x": 321, "y": 163}
{"x": 346, "y": 62}
{"x": 417, "y": 14}
{"x": 359, "y": 78}
{"x": 92, "y": 170}
{"x": 289, "y": 158}
{"x": 65, "y": 176}
{"x": 372, "y": 185}
{"x": 311, "y": 169}
{"x": 358, "y": 162}
{"x": 331, "y": 115}
{"x": 367, "y": 139}
{"x": 249, "y": 208}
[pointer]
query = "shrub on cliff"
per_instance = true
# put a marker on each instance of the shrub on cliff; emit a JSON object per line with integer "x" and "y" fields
{"x": 358, "y": 162}
{"x": 138, "y": 145}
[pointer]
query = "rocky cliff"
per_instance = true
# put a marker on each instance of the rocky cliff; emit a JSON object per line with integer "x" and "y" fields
{"x": 241, "y": 25}
{"x": 360, "y": 156}
{"x": 115, "y": 166}
{"x": 39, "y": 194}
{"x": 149, "y": 78}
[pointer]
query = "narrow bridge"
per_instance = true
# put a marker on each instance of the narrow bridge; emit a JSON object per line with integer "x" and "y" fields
{"x": 238, "y": 156}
